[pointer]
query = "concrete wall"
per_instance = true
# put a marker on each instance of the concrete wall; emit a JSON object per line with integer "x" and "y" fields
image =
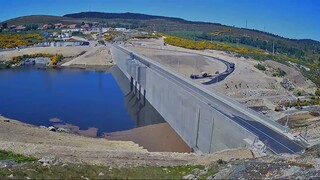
{"x": 200, "y": 125}
{"x": 140, "y": 110}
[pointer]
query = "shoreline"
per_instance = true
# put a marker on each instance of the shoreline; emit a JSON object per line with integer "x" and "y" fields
{"x": 28, "y": 139}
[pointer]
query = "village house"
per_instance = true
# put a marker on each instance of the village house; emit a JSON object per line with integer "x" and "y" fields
{"x": 58, "y": 26}
{"x": 21, "y": 28}
{"x": 85, "y": 27}
{"x": 12, "y": 27}
{"x": 46, "y": 26}
{"x": 72, "y": 26}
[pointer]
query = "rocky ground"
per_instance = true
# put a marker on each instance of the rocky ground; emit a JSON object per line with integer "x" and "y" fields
{"x": 300, "y": 166}
{"x": 305, "y": 165}
{"x": 69, "y": 148}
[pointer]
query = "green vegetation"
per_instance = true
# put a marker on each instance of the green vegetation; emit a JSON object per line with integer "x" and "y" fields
{"x": 221, "y": 162}
{"x": 200, "y": 45}
{"x": 312, "y": 101}
{"x": 313, "y": 72}
{"x": 75, "y": 171}
{"x": 299, "y": 93}
{"x": 260, "y": 67}
{"x": 298, "y": 126}
{"x": 279, "y": 73}
{"x": 4, "y": 64}
{"x": 306, "y": 50}
{"x": 40, "y": 20}
{"x": 108, "y": 38}
{"x": 247, "y": 43}
{"x": 317, "y": 93}
{"x": 145, "y": 36}
{"x": 318, "y": 154}
{"x": 19, "y": 39}
{"x": 54, "y": 58}
{"x": 8, "y": 155}
{"x": 35, "y": 170}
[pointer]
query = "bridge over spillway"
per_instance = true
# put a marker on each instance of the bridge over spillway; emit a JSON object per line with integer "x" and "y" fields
{"x": 205, "y": 120}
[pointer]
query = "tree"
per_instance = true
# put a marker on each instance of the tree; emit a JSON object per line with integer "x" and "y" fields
{"x": 317, "y": 92}
{"x": 4, "y": 25}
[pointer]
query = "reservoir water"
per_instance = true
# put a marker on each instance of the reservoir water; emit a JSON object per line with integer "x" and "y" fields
{"x": 89, "y": 103}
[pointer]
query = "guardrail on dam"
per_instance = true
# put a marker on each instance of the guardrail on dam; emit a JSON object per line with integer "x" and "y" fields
{"x": 199, "y": 124}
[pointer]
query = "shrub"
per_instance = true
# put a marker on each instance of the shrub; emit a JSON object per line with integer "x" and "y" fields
{"x": 17, "y": 40}
{"x": 279, "y": 73}
{"x": 260, "y": 67}
{"x": 317, "y": 93}
{"x": 221, "y": 162}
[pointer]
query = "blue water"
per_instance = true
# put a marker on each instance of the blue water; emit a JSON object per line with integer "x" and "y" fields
{"x": 79, "y": 97}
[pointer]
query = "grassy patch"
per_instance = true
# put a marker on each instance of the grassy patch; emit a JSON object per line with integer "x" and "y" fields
{"x": 8, "y": 155}
{"x": 73, "y": 171}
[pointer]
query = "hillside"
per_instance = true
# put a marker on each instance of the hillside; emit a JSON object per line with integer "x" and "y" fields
{"x": 41, "y": 19}
{"x": 101, "y": 15}
{"x": 207, "y": 31}
{"x": 305, "y": 52}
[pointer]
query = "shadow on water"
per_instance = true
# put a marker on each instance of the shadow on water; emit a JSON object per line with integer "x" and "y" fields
{"x": 139, "y": 109}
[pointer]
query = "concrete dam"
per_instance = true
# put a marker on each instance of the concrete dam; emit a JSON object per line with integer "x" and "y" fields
{"x": 206, "y": 121}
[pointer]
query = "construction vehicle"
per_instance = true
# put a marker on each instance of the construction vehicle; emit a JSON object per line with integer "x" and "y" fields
{"x": 206, "y": 74}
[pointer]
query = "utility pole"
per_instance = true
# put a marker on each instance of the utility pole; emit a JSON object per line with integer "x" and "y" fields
{"x": 100, "y": 33}
{"x": 272, "y": 47}
{"x": 246, "y": 24}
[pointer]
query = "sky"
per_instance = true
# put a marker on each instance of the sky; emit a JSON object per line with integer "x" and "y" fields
{"x": 299, "y": 19}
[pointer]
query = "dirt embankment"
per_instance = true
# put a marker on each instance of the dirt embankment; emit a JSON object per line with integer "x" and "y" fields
{"x": 30, "y": 140}
{"x": 183, "y": 63}
{"x": 294, "y": 76}
{"x": 68, "y": 52}
{"x": 96, "y": 57}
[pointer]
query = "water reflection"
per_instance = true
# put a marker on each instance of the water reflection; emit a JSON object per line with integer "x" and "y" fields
{"x": 139, "y": 109}
{"x": 88, "y": 103}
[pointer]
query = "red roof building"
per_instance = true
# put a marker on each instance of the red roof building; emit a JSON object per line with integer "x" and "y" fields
{"x": 20, "y": 28}
{"x": 72, "y": 26}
